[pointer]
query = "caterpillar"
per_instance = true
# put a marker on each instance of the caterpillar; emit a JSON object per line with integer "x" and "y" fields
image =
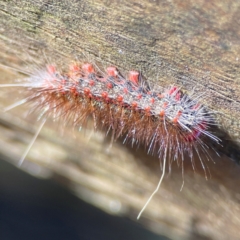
{"x": 168, "y": 122}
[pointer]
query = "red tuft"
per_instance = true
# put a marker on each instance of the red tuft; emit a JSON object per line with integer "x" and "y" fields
{"x": 119, "y": 98}
{"x": 134, "y": 77}
{"x": 134, "y": 105}
{"x": 112, "y": 71}
{"x": 125, "y": 90}
{"x": 176, "y": 118}
{"x": 104, "y": 95}
{"x": 109, "y": 85}
{"x": 152, "y": 100}
{"x": 91, "y": 82}
{"x": 88, "y": 68}
{"x": 74, "y": 68}
{"x": 51, "y": 69}
{"x": 87, "y": 91}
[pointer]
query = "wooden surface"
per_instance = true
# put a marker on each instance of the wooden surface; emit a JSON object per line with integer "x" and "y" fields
{"x": 194, "y": 44}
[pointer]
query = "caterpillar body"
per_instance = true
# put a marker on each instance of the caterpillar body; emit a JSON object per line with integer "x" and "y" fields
{"x": 169, "y": 123}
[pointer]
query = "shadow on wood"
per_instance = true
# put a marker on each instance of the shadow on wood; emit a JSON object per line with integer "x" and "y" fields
{"x": 193, "y": 44}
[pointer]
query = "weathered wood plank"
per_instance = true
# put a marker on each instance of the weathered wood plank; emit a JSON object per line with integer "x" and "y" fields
{"x": 194, "y": 44}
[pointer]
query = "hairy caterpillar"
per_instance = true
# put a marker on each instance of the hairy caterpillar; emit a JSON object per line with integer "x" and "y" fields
{"x": 170, "y": 123}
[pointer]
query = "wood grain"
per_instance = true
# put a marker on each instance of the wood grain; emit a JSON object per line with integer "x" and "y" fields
{"x": 194, "y": 44}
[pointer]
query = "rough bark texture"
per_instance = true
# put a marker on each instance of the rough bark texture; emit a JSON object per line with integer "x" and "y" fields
{"x": 194, "y": 44}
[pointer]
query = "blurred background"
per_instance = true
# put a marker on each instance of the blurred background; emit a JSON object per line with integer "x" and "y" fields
{"x": 31, "y": 208}
{"x": 71, "y": 184}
